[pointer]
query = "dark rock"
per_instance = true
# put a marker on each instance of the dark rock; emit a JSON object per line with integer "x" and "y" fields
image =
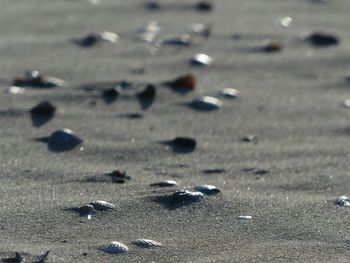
{"x": 319, "y": 39}
{"x": 204, "y": 6}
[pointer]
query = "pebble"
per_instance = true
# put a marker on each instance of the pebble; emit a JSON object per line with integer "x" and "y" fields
{"x": 33, "y": 78}
{"x": 44, "y": 108}
{"x": 62, "y": 140}
{"x": 320, "y": 39}
{"x": 119, "y": 177}
{"x": 167, "y": 183}
{"x": 184, "y": 40}
{"x": 201, "y": 60}
{"x": 342, "y": 201}
{"x": 229, "y": 93}
{"x": 250, "y": 138}
{"x": 115, "y": 248}
{"x": 186, "y": 82}
{"x": 204, "y": 6}
{"x": 146, "y": 243}
{"x": 214, "y": 171}
{"x": 184, "y": 142}
{"x": 95, "y": 38}
{"x": 206, "y": 103}
{"x": 185, "y": 196}
{"x": 110, "y": 95}
{"x": 272, "y": 47}
{"x": 102, "y": 205}
{"x": 207, "y": 189}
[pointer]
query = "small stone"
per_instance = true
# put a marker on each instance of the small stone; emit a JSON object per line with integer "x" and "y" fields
{"x": 201, "y": 60}
{"x": 230, "y": 93}
{"x": 184, "y": 142}
{"x": 184, "y": 40}
{"x": 115, "y": 248}
{"x": 272, "y": 47}
{"x": 207, "y": 189}
{"x": 167, "y": 183}
{"x": 214, "y": 171}
{"x": 250, "y": 138}
{"x": 44, "y": 108}
{"x": 342, "y": 201}
{"x": 119, "y": 177}
{"x": 102, "y": 205}
{"x": 186, "y": 82}
{"x": 206, "y": 103}
{"x": 245, "y": 217}
{"x": 146, "y": 243}
{"x": 320, "y": 39}
{"x": 204, "y": 6}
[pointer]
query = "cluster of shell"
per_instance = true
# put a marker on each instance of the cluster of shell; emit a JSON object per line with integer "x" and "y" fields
{"x": 115, "y": 247}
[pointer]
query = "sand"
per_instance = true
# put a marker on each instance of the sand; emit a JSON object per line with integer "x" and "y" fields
{"x": 290, "y": 100}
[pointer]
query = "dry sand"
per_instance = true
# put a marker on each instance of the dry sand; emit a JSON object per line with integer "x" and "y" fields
{"x": 290, "y": 100}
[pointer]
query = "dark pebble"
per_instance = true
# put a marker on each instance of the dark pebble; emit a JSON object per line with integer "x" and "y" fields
{"x": 323, "y": 40}
{"x": 204, "y": 6}
{"x": 214, "y": 171}
{"x": 119, "y": 177}
{"x": 184, "y": 142}
{"x": 44, "y": 108}
{"x": 272, "y": 47}
{"x": 250, "y": 138}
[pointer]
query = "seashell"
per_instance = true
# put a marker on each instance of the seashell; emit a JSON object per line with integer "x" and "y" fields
{"x": 85, "y": 208}
{"x": 245, "y": 217}
{"x": 250, "y": 138}
{"x": 319, "y": 39}
{"x": 61, "y": 140}
{"x": 95, "y": 38}
{"x": 230, "y": 93}
{"x": 204, "y": 6}
{"x": 200, "y": 29}
{"x": 207, "y": 189}
{"x": 44, "y": 108}
{"x": 346, "y": 103}
{"x": 167, "y": 183}
{"x": 256, "y": 171}
{"x": 119, "y": 177}
{"x": 201, "y": 60}
{"x": 149, "y": 33}
{"x": 286, "y": 21}
{"x": 147, "y": 96}
{"x": 206, "y": 103}
{"x": 342, "y": 201}
{"x": 185, "y": 196}
{"x": 184, "y": 40}
{"x": 33, "y": 78}
{"x": 102, "y": 205}
{"x": 115, "y": 248}
{"x": 271, "y": 47}
{"x": 15, "y": 90}
{"x": 183, "y": 83}
{"x": 109, "y": 37}
{"x": 146, "y": 243}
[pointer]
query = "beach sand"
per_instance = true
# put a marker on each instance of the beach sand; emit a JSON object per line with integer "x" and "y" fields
{"x": 290, "y": 100}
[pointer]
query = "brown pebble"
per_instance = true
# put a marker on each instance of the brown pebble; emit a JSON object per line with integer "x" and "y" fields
{"x": 271, "y": 47}
{"x": 187, "y": 82}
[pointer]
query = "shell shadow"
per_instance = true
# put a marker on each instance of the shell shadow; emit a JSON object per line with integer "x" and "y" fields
{"x": 80, "y": 212}
{"x": 53, "y": 146}
{"x": 177, "y": 149}
{"x": 39, "y": 120}
{"x": 169, "y": 203}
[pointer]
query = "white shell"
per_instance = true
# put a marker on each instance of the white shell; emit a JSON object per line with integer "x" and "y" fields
{"x": 245, "y": 217}
{"x": 55, "y": 81}
{"x": 207, "y": 189}
{"x": 201, "y": 60}
{"x": 207, "y": 103}
{"x": 342, "y": 201}
{"x": 196, "y": 28}
{"x": 15, "y": 90}
{"x": 146, "y": 243}
{"x": 109, "y": 36}
{"x": 346, "y": 103}
{"x": 115, "y": 248}
{"x": 230, "y": 93}
{"x": 286, "y": 21}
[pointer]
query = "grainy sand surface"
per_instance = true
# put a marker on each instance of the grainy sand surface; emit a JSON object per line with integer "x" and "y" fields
{"x": 289, "y": 100}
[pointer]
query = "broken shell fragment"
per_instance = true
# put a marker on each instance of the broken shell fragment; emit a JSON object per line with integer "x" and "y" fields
{"x": 167, "y": 183}
{"x": 32, "y": 78}
{"x": 342, "y": 201}
{"x": 206, "y": 103}
{"x": 201, "y": 60}
{"x": 44, "y": 108}
{"x": 185, "y": 196}
{"x": 230, "y": 93}
{"x": 15, "y": 90}
{"x": 115, "y": 248}
{"x": 207, "y": 189}
{"x": 146, "y": 243}
{"x": 102, "y": 205}
{"x": 319, "y": 39}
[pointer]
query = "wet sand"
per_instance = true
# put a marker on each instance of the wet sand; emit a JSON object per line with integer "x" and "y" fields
{"x": 290, "y": 100}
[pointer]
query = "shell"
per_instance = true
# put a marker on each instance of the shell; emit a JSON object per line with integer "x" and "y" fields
{"x": 102, "y": 205}
{"x": 250, "y": 138}
{"x": 245, "y": 217}
{"x": 184, "y": 142}
{"x": 63, "y": 140}
{"x": 207, "y": 189}
{"x": 33, "y": 78}
{"x": 185, "y": 196}
{"x": 206, "y": 103}
{"x": 146, "y": 243}
{"x": 44, "y": 108}
{"x": 346, "y": 103}
{"x": 342, "y": 201}
{"x": 286, "y": 21}
{"x": 167, "y": 183}
{"x": 201, "y": 60}
{"x": 115, "y": 248}
{"x": 320, "y": 39}
{"x": 230, "y": 93}
{"x": 15, "y": 90}
{"x": 109, "y": 36}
